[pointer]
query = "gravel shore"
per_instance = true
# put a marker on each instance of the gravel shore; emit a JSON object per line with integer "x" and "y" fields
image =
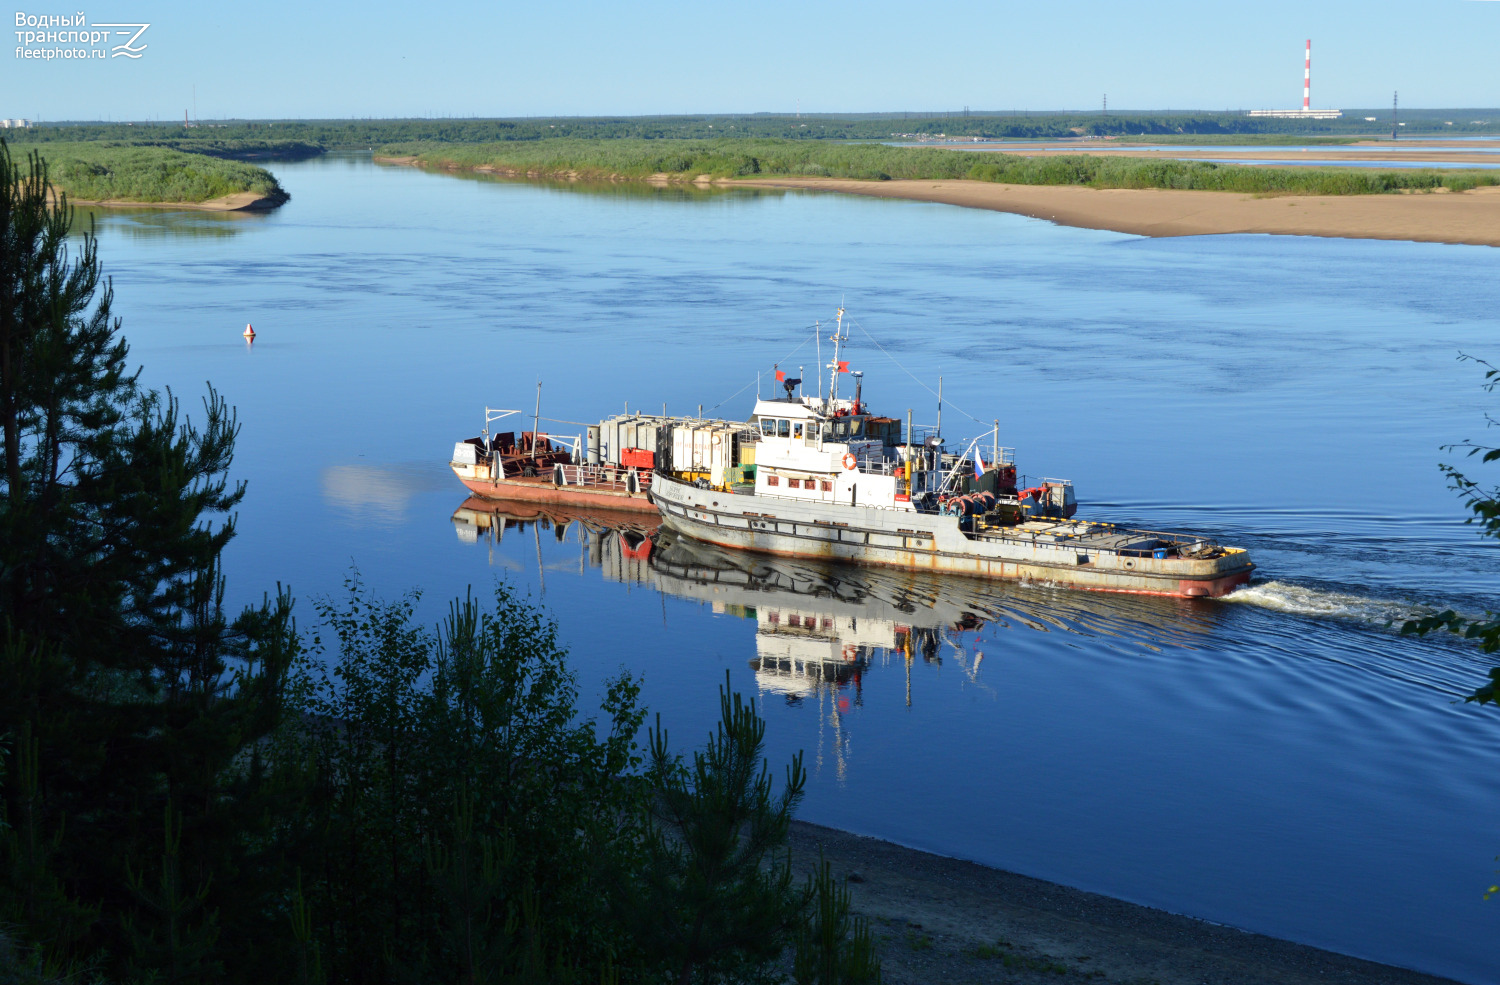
{"x": 940, "y": 919}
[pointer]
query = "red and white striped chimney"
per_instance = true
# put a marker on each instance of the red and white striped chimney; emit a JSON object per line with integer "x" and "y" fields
{"x": 1307, "y": 79}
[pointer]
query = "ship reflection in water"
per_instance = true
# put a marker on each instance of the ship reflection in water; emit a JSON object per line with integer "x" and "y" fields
{"x": 820, "y": 627}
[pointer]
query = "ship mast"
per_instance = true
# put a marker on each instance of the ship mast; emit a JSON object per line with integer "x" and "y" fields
{"x": 833, "y": 367}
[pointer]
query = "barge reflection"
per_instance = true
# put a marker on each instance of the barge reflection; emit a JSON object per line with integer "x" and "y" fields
{"x": 821, "y": 626}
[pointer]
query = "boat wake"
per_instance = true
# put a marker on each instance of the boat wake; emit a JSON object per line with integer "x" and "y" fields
{"x": 1302, "y": 600}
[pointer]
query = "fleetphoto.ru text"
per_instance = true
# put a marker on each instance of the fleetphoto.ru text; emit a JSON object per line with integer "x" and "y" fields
{"x": 47, "y": 37}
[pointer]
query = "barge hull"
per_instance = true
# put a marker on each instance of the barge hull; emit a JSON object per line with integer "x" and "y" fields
{"x": 542, "y": 490}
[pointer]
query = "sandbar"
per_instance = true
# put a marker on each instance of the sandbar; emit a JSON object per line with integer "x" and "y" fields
{"x": 1471, "y": 217}
{"x": 238, "y": 202}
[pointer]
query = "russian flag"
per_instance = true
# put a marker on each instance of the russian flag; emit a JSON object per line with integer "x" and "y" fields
{"x": 978, "y": 463}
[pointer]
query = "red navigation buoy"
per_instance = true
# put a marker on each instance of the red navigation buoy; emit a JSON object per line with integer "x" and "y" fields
{"x": 249, "y": 332}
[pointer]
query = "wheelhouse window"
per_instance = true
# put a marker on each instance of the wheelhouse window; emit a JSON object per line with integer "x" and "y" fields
{"x": 796, "y": 429}
{"x": 768, "y": 426}
{"x": 784, "y": 429}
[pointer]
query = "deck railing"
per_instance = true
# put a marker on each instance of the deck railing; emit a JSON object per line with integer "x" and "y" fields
{"x": 601, "y": 476}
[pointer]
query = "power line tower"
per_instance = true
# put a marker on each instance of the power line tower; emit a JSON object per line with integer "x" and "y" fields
{"x": 1394, "y": 124}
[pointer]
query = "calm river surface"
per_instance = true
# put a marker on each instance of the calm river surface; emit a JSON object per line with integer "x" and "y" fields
{"x": 1282, "y": 762}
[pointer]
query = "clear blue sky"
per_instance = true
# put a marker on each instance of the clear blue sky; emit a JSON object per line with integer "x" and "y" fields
{"x": 277, "y": 58}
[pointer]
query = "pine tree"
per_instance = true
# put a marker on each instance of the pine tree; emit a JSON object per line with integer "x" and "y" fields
{"x": 715, "y": 901}
{"x": 833, "y": 947}
{"x": 120, "y": 664}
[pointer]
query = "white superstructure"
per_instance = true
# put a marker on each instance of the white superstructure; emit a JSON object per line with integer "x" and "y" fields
{"x": 822, "y": 477}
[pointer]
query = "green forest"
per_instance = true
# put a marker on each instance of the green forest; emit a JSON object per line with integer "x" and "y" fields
{"x": 194, "y": 795}
{"x": 1007, "y": 124}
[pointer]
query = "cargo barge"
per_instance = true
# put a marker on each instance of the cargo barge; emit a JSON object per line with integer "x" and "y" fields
{"x": 537, "y": 467}
{"x": 815, "y": 477}
{"x": 609, "y": 465}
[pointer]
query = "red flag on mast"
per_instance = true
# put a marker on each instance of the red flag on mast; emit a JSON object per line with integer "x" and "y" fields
{"x": 780, "y": 376}
{"x": 843, "y": 367}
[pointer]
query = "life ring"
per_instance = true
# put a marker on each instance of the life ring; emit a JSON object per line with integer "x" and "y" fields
{"x": 850, "y": 462}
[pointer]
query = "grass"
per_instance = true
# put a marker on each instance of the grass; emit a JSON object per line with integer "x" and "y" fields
{"x": 108, "y": 171}
{"x": 918, "y": 941}
{"x": 741, "y": 158}
{"x": 1001, "y": 950}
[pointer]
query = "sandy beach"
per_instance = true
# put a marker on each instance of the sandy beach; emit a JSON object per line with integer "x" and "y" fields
{"x": 238, "y": 202}
{"x": 939, "y": 919}
{"x": 1471, "y": 217}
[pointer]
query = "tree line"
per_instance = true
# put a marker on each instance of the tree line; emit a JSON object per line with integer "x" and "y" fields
{"x": 1003, "y": 125}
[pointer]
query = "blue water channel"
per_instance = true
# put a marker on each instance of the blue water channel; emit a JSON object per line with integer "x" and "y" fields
{"x": 1420, "y": 145}
{"x": 1283, "y": 761}
{"x": 1346, "y": 163}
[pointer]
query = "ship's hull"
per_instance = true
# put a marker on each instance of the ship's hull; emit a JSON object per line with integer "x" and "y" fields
{"x": 931, "y": 542}
{"x": 530, "y": 511}
{"x": 542, "y": 489}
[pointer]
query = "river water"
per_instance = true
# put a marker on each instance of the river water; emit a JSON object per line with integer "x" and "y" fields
{"x": 1282, "y": 761}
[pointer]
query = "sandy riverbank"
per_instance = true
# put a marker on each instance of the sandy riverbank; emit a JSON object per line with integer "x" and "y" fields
{"x": 1471, "y": 217}
{"x": 943, "y": 920}
{"x": 238, "y": 202}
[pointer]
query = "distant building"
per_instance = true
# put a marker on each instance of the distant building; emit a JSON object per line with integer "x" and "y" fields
{"x": 1298, "y": 114}
{"x": 14, "y": 124}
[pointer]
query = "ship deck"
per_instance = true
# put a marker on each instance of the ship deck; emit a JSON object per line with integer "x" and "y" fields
{"x": 1091, "y": 535}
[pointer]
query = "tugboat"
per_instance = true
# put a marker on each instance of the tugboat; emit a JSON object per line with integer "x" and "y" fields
{"x": 815, "y": 477}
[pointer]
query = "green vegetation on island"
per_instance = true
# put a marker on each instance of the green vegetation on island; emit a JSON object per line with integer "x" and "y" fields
{"x": 110, "y": 171}
{"x": 734, "y": 158}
